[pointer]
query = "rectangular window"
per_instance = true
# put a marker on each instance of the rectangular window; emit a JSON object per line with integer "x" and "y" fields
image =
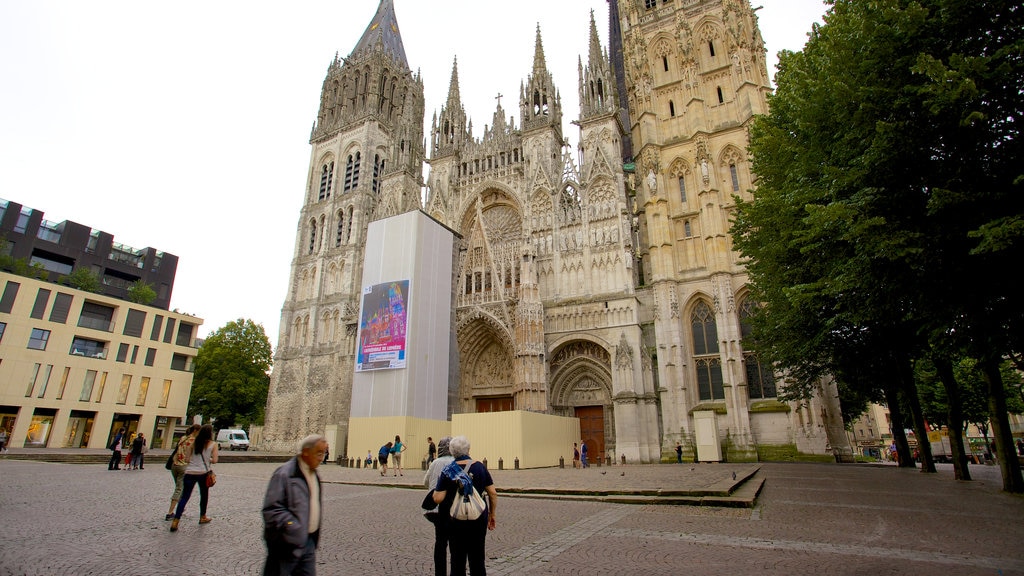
{"x": 61, "y": 308}
{"x": 122, "y": 352}
{"x": 38, "y": 339}
{"x": 169, "y": 330}
{"x": 96, "y": 316}
{"x": 166, "y": 394}
{"x": 158, "y": 322}
{"x": 143, "y": 390}
{"x": 150, "y": 356}
{"x": 32, "y": 380}
{"x": 88, "y": 347}
{"x": 39, "y": 308}
{"x": 135, "y": 354}
{"x": 63, "y": 382}
{"x": 122, "y": 394}
{"x": 682, "y": 189}
{"x": 103, "y": 385}
{"x": 87, "y": 384}
{"x": 687, "y": 230}
{"x": 179, "y": 362}
{"x": 45, "y": 379}
{"x": 133, "y": 323}
{"x": 3, "y": 328}
{"x": 184, "y": 334}
{"x": 10, "y": 294}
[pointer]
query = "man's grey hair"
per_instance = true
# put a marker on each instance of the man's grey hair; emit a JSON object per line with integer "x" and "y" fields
{"x": 310, "y": 442}
{"x": 459, "y": 447}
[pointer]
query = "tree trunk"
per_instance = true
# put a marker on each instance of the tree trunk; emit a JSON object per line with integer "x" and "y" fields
{"x": 899, "y": 435}
{"x": 954, "y": 416}
{"x": 1009, "y": 465}
{"x": 909, "y": 389}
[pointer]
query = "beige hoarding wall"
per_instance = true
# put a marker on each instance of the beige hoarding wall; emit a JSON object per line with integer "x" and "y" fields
{"x": 369, "y": 434}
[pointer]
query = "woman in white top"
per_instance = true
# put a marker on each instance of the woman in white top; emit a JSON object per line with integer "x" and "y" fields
{"x": 204, "y": 456}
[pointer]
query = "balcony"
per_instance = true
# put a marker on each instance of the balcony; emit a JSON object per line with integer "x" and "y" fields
{"x": 96, "y": 323}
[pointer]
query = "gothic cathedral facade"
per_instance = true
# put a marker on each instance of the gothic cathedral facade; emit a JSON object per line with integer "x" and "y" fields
{"x": 596, "y": 283}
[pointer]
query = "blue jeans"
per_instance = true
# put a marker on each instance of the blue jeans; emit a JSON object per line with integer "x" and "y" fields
{"x": 186, "y": 492}
{"x": 281, "y": 561}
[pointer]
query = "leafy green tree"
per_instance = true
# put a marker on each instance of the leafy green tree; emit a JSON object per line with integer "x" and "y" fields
{"x": 231, "y": 375}
{"x": 83, "y": 279}
{"x": 141, "y": 293}
{"x": 889, "y": 199}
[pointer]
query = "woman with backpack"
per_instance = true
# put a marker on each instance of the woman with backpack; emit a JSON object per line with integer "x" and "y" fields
{"x": 466, "y": 538}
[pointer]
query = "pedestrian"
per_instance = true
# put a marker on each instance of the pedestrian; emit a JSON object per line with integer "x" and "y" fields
{"x": 136, "y": 454}
{"x": 291, "y": 512}
{"x": 430, "y": 479}
{"x": 575, "y": 455}
{"x": 1020, "y": 446}
{"x": 466, "y": 538}
{"x": 128, "y": 453}
{"x": 3, "y": 441}
{"x": 382, "y": 457}
{"x": 327, "y": 455}
{"x": 369, "y": 458}
{"x": 115, "y": 449}
{"x": 145, "y": 449}
{"x": 204, "y": 455}
{"x": 431, "y": 451}
{"x": 583, "y": 454}
{"x": 679, "y": 453}
{"x": 396, "y": 456}
{"x": 182, "y": 455}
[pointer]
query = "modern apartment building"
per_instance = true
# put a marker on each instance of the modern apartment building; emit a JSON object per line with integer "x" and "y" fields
{"x": 76, "y": 367}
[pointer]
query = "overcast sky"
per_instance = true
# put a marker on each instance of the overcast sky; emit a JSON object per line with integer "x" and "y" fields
{"x": 185, "y": 125}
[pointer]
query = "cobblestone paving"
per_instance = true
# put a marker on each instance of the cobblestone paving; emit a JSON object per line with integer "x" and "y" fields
{"x": 72, "y": 519}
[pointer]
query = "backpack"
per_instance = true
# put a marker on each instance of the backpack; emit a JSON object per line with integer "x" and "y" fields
{"x": 467, "y": 506}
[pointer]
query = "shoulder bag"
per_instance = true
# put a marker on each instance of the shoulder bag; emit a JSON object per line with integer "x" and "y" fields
{"x": 211, "y": 476}
{"x": 467, "y": 506}
{"x": 170, "y": 459}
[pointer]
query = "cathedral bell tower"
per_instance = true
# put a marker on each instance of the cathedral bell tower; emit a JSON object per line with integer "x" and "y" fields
{"x": 366, "y": 164}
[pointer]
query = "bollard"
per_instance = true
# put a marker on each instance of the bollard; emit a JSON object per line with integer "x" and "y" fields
{"x": 598, "y": 461}
{"x": 517, "y": 462}
{"x": 501, "y": 463}
{"x": 359, "y": 462}
{"x": 375, "y": 464}
{"x": 561, "y": 461}
{"x": 423, "y": 464}
{"x": 485, "y": 464}
{"x": 623, "y": 459}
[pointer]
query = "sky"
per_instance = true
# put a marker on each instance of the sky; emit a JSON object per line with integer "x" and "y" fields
{"x": 184, "y": 126}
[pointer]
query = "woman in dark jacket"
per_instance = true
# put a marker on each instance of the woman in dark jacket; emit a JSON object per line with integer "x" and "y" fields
{"x": 466, "y": 538}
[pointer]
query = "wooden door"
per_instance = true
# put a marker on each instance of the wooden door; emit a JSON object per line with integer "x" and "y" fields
{"x": 592, "y": 430}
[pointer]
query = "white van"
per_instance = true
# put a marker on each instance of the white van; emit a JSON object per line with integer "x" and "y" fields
{"x": 232, "y": 439}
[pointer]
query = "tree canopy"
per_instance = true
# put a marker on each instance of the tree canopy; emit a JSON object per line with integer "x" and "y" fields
{"x": 231, "y": 377}
{"x": 889, "y": 199}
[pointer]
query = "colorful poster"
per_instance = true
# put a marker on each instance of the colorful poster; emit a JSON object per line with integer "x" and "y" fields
{"x": 382, "y": 325}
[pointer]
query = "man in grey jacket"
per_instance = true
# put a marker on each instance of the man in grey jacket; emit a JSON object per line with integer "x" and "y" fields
{"x": 291, "y": 512}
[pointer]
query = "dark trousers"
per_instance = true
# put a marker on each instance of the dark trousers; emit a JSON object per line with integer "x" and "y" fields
{"x": 440, "y": 546}
{"x": 190, "y": 482}
{"x": 115, "y": 460}
{"x": 281, "y": 561}
{"x": 466, "y": 540}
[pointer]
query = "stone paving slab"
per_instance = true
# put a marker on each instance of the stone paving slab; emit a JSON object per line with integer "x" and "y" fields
{"x": 73, "y": 519}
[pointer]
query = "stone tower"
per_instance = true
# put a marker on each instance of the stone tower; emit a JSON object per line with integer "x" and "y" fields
{"x": 366, "y": 164}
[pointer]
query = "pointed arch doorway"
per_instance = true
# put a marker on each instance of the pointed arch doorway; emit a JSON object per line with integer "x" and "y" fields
{"x": 581, "y": 387}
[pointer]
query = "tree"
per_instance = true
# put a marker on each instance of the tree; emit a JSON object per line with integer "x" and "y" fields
{"x": 141, "y": 293}
{"x": 889, "y": 198}
{"x": 83, "y": 279}
{"x": 231, "y": 375}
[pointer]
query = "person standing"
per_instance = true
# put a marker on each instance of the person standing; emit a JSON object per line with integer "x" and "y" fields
{"x": 431, "y": 451}
{"x": 679, "y": 453}
{"x": 115, "y": 448}
{"x": 204, "y": 456}
{"x": 430, "y": 479}
{"x": 291, "y": 512}
{"x": 3, "y": 440}
{"x": 583, "y": 453}
{"x": 575, "y": 455}
{"x": 182, "y": 454}
{"x": 396, "y": 456}
{"x": 466, "y": 538}
{"x": 137, "y": 445}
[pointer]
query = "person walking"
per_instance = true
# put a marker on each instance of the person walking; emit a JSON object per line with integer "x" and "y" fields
{"x": 430, "y": 479}
{"x": 137, "y": 445}
{"x": 431, "y": 451}
{"x": 182, "y": 454}
{"x": 204, "y": 455}
{"x": 466, "y": 538}
{"x": 396, "y": 456}
{"x": 292, "y": 509}
{"x": 583, "y": 454}
{"x": 115, "y": 448}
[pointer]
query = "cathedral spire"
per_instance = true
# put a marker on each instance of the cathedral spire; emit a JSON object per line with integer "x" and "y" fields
{"x": 383, "y": 32}
{"x": 539, "y": 64}
{"x": 454, "y": 99}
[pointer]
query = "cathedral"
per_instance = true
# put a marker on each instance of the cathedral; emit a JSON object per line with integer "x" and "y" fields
{"x": 598, "y": 282}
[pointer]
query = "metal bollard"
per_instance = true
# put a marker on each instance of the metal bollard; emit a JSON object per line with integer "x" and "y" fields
{"x": 485, "y": 464}
{"x": 517, "y": 462}
{"x": 501, "y": 463}
{"x": 561, "y": 461}
{"x": 623, "y": 459}
{"x": 423, "y": 464}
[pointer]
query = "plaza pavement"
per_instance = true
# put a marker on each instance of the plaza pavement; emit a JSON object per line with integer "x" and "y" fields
{"x": 82, "y": 520}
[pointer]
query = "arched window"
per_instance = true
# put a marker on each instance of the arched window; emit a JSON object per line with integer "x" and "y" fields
{"x": 326, "y": 181}
{"x": 671, "y": 108}
{"x": 312, "y": 236}
{"x": 711, "y": 47}
{"x": 682, "y": 189}
{"x": 348, "y": 229}
{"x": 760, "y": 379}
{"x": 704, "y": 332}
{"x": 378, "y": 166}
{"x": 351, "y": 173}
{"x": 721, "y": 99}
{"x": 734, "y": 174}
{"x": 341, "y": 227}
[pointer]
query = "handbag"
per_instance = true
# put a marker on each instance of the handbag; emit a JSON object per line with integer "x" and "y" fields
{"x": 211, "y": 476}
{"x": 170, "y": 459}
{"x": 467, "y": 506}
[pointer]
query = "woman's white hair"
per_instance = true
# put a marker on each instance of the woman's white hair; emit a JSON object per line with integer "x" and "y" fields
{"x": 459, "y": 446}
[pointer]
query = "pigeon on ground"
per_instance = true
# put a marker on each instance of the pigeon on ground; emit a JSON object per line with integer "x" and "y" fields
{"x": 733, "y": 475}
{"x": 623, "y": 474}
{"x": 603, "y": 472}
